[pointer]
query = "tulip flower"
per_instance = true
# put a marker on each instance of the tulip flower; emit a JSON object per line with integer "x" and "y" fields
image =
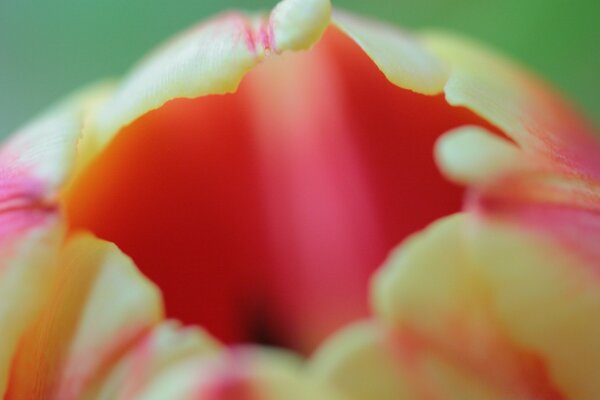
{"x": 207, "y": 228}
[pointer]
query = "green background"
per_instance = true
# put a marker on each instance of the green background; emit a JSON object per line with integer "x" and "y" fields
{"x": 49, "y": 48}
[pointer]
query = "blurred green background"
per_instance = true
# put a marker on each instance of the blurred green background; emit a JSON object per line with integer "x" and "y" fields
{"x": 49, "y": 48}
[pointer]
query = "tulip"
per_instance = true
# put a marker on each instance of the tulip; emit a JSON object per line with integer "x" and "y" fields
{"x": 255, "y": 172}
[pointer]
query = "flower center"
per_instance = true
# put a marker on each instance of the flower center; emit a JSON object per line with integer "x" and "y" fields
{"x": 262, "y": 214}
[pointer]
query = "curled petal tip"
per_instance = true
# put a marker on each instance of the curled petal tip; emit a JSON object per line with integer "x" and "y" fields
{"x": 471, "y": 155}
{"x": 298, "y": 24}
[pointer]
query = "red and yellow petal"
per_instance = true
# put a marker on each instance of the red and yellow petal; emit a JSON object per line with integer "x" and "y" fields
{"x": 209, "y": 59}
{"x": 359, "y": 364}
{"x": 165, "y": 346}
{"x": 548, "y": 178}
{"x": 29, "y": 260}
{"x": 240, "y": 374}
{"x": 454, "y": 326}
{"x": 99, "y": 305}
{"x": 527, "y": 110}
{"x": 463, "y": 305}
{"x": 34, "y": 164}
{"x": 434, "y": 292}
{"x": 371, "y": 360}
{"x": 547, "y": 298}
{"x": 291, "y": 183}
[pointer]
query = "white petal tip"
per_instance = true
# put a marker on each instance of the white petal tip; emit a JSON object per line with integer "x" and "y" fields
{"x": 471, "y": 155}
{"x": 298, "y": 24}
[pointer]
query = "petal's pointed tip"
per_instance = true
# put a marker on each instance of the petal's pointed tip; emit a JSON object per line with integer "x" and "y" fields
{"x": 471, "y": 155}
{"x": 298, "y": 24}
{"x": 400, "y": 56}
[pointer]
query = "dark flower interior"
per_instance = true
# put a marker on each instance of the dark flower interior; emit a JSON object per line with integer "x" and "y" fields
{"x": 262, "y": 214}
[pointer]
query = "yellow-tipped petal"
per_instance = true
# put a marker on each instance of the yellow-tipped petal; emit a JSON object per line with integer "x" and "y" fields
{"x": 437, "y": 297}
{"x": 401, "y": 56}
{"x": 211, "y": 58}
{"x": 471, "y": 155}
{"x": 166, "y": 345}
{"x": 239, "y": 374}
{"x": 99, "y": 305}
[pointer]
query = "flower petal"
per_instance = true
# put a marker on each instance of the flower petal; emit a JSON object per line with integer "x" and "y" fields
{"x": 239, "y": 374}
{"x": 290, "y": 184}
{"x": 164, "y": 346}
{"x": 358, "y": 363}
{"x": 532, "y": 114}
{"x": 399, "y": 55}
{"x": 371, "y": 361}
{"x": 436, "y": 297}
{"x": 211, "y": 58}
{"x": 28, "y": 262}
{"x": 547, "y": 298}
{"x": 34, "y": 164}
{"x": 99, "y": 305}
{"x": 555, "y": 185}
{"x": 43, "y": 152}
